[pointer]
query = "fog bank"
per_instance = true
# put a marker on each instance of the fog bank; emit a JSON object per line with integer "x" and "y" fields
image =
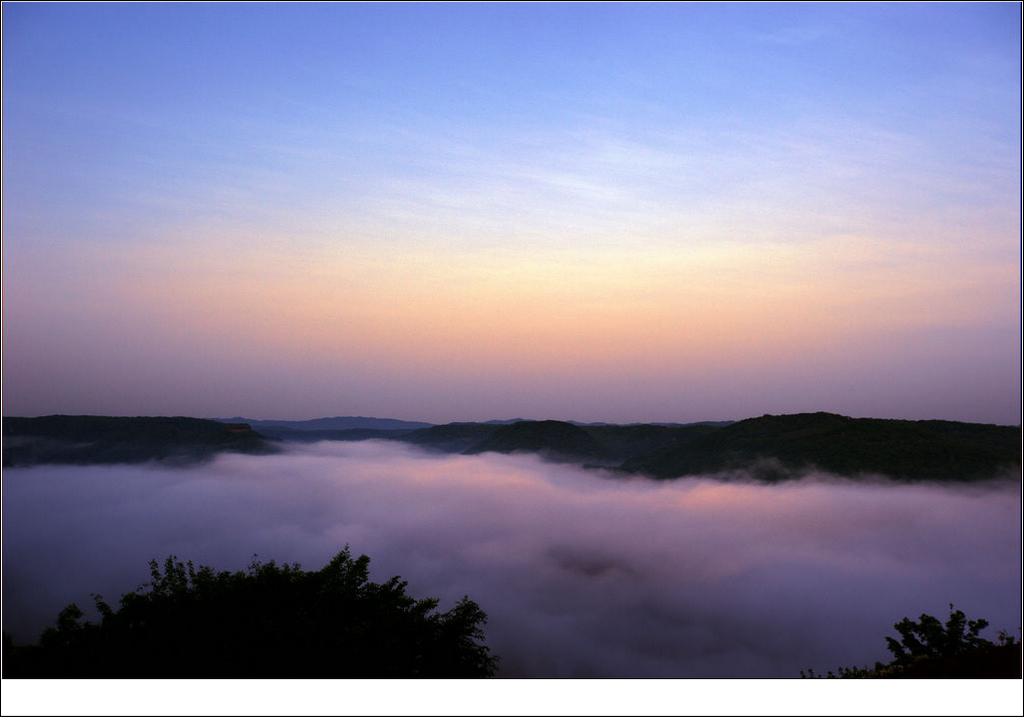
{"x": 582, "y": 574}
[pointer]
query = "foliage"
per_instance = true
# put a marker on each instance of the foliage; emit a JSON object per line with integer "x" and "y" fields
{"x": 270, "y": 621}
{"x": 929, "y": 648}
{"x": 929, "y": 638}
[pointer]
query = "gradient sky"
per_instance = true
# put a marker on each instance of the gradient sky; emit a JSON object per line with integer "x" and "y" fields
{"x": 617, "y": 212}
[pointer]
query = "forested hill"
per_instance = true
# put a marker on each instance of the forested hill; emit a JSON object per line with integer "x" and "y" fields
{"x": 599, "y": 445}
{"x": 108, "y": 439}
{"x": 773, "y": 447}
{"x": 769, "y": 448}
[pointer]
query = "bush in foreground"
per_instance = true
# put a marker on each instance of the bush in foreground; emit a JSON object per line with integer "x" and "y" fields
{"x": 929, "y": 648}
{"x": 270, "y": 621}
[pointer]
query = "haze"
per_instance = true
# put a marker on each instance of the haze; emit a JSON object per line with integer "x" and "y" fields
{"x": 581, "y": 574}
{"x": 613, "y": 212}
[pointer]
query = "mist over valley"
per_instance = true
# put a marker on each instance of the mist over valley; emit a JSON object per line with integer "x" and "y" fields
{"x": 582, "y": 571}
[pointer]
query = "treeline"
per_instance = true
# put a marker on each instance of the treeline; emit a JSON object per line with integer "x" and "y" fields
{"x": 270, "y": 621}
{"x": 279, "y": 621}
{"x": 776, "y": 447}
{"x": 115, "y": 439}
{"x": 768, "y": 448}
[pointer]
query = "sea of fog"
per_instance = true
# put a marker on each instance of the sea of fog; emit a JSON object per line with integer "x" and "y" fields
{"x": 582, "y": 573}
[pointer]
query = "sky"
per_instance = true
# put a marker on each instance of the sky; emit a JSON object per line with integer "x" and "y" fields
{"x": 610, "y": 212}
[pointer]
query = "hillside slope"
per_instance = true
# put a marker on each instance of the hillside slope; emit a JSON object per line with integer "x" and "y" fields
{"x": 108, "y": 439}
{"x": 774, "y": 447}
{"x": 556, "y": 440}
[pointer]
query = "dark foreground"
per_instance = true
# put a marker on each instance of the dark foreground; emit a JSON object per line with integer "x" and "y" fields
{"x": 269, "y": 622}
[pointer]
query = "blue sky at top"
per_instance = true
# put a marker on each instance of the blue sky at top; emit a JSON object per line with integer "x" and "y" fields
{"x": 620, "y": 159}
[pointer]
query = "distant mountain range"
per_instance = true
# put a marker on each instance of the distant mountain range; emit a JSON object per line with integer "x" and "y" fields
{"x": 768, "y": 448}
{"x": 338, "y": 423}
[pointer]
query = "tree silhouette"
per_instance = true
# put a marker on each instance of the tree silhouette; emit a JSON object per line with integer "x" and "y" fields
{"x": 930, "y": 638}
{"x": 272, "y": 621}
{"x": 930, "y": 649}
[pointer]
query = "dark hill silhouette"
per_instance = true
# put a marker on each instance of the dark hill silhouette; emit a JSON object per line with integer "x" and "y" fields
{"x": 603, "y": 444}
{"x": 337, "y": 423}
{"x": 348, "y": 434}
{"x": 451, "y": 437}
{"x": 774, "y": 447}
{"x": 768, "y": 448}
{"x": 556, "y": 440}
{"x": 623, "y": 443}
{"x": 108, "y": 439}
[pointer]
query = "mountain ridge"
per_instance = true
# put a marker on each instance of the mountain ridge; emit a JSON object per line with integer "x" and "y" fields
{"x": 87, "y": 440}
{"x": 769, "y": 448}
{"x": 334, "y": 423}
